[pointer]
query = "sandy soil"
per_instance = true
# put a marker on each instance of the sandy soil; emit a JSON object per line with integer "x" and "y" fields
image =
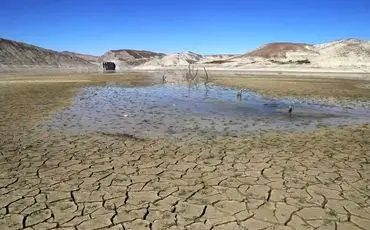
{"x": 55, "y": 179}
{"x": 326, "y": 89}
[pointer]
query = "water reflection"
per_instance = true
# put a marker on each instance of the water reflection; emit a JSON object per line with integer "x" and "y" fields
{"x": 164, "y": 110}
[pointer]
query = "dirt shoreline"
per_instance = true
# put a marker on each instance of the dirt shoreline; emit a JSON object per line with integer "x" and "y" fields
{"x": 263, "y": 71}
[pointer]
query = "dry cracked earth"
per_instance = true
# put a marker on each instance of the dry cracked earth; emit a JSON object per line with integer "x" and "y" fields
{"x": 105, "y": 181}
{"x": 282, "y": 181}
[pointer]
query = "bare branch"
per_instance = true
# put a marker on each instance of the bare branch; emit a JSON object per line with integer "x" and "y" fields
{"x": 207, "y": 77}
{"x": 193, "y": 77}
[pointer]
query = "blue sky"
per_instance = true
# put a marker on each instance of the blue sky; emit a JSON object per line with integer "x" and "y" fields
{"x": 205, "y": 27}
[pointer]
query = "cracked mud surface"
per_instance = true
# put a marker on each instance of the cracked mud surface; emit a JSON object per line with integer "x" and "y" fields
{"x": 301, "y": 181}
{"x": 58, "y": 180}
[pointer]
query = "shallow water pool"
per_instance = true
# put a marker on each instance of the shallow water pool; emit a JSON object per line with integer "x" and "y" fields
{"x": 165, "y": 110}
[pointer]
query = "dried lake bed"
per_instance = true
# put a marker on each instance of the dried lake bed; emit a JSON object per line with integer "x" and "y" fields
{"x": 92, "y": 152}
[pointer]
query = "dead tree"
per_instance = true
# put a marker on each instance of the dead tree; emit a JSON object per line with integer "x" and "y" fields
{"x": 191, "y": 75}
{"x": 164, "y": 78}
{"x": 206, "y": 79}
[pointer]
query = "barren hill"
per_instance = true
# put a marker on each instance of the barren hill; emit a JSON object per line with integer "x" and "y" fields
{"x": 127, "y": 54}
{"x": 344, "y": 52}
{"x": 351, "y": 54}
{"x": 176, "y": 59}
{"x": 341, "y": 49}
{"x": 19, "y": 53}
{"x": 279, "y": 50}
{"x": 128, "y": 57}
{"x": 87, "y": 57}
{"x": 345, "y": 48}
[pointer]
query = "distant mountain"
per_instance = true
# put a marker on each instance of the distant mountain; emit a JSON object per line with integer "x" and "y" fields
{"x": 128, "y": 54}
{"x": 345, "y": 52}
{"x": 341, "y": 53}
{"x": 337, "y": 49}
{"x": 345, "y": 48}
{"x": 14, "y": 53}
{"x": 279, "y": 50}
{"x": 87, "y": 57}
{"x": 129, "y": 57}
{"x": 213, "y": 56}
{"x": 176, "y": 59}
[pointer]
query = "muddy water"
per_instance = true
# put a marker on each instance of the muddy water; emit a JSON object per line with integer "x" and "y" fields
{"x": 163, "y": 111}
